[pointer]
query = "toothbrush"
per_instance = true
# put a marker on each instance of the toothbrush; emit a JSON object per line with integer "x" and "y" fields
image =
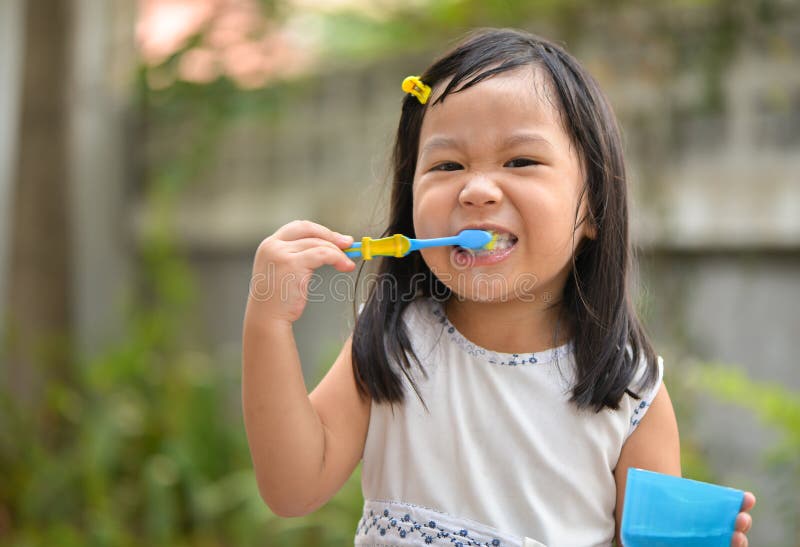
{"x": 399, "y": 245}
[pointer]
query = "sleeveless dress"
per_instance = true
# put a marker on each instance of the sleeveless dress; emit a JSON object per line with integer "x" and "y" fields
{"x": 500, "y": 456}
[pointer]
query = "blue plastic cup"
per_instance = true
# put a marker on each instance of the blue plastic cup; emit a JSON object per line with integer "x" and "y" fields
{"x": 662, "y": 511}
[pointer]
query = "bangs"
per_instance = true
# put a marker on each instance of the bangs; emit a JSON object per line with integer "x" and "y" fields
{"x": 475, "y": 73}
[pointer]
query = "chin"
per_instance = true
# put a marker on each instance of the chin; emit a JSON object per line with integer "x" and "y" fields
{"x": 489, "y": 288}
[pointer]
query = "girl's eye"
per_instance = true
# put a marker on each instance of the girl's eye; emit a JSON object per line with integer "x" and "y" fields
{"x": 447, "y": 166}
{"x": 521, "y": 162}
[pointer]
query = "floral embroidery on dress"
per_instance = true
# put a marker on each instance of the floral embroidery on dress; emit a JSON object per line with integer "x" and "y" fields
{"x": 493, "y": 357}
{"x": 429, "y": 532}
{"x": 638, "y": 414}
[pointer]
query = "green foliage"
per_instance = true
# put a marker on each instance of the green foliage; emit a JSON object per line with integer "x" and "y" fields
{"x": 694, "y": 464}
{"x": 777, "y": 407}
{"x": 145, "y": 445}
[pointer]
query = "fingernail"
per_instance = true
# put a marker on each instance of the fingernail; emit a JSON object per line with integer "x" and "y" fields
{"x": 344, "y": 238}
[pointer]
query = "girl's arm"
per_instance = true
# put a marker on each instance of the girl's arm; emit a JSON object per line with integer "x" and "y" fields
{"x": 654, "y": 445}
{"x": 303, "y": 447}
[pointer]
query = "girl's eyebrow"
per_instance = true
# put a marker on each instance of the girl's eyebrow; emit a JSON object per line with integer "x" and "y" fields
{"x": 439, "y": 142}
{"x": 522, "y": 137}
{"x": 525, "y": 137}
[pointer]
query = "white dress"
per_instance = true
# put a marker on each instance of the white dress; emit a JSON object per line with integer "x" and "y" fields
{"x": 502, "y": 458}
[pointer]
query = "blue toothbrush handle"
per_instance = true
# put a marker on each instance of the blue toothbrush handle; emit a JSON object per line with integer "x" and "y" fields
{"x": 417, "y": 244}
{"x": 465, "y": 238}
{"x": 354, "y": 254}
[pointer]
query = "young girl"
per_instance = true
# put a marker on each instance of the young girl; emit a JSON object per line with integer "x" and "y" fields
{"x": 495, "y": 397}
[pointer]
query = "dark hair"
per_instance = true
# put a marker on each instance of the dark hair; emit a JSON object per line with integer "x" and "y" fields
{"x": 596, "y": 301}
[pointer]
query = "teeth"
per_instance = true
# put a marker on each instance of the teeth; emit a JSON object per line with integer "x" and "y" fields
{"x": 503, "y": 241}
{"x": 505, "y": 238}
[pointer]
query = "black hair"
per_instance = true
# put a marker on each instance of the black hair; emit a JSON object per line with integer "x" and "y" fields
{"x": 609, "y": 340}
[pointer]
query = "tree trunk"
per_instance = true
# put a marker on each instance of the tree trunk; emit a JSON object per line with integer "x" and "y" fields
{"x": 38, "y": 316}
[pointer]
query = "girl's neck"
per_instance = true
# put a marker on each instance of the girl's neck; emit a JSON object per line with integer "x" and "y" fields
{"x": 508, "y": 327}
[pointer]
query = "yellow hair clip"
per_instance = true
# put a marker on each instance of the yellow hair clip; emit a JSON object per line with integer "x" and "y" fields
{"x": 414, "y": 85}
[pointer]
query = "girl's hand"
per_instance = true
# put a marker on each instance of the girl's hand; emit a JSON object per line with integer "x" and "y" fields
{"x": 283, "y": 266}
{"x": 743, "y": 521}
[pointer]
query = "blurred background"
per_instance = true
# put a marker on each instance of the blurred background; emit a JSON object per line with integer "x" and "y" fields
{"x": 146, "y": 148}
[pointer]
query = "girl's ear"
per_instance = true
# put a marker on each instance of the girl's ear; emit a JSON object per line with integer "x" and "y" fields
{"x": 591, "y": 228}
{"x": 589, "y": 224}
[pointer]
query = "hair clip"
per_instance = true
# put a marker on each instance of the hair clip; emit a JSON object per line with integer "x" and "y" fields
{"x": 414, "y": 85}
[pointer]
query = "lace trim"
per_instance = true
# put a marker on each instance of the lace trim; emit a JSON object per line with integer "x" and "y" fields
{"x": 494, "y": 357}
{"x": 638, "y": 414}
{"x": 390, "y": 523}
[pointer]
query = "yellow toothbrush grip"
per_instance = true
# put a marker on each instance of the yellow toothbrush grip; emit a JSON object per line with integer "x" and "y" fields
{"x": 397, "y": 245}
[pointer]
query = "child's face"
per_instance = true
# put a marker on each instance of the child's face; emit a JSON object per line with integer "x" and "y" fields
{"x": 495, "y": 156}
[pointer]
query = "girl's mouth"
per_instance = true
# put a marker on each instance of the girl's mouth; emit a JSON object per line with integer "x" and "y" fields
{"x": 504, "y": 246}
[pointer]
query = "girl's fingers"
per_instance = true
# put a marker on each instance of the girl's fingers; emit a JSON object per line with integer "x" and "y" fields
{"x": 299, "y": 229}
{"x": 749, "y": 501}
{"x": 309, "y": 243}
{"x": 743, "y": 522}
{"x": 316, "y": 257}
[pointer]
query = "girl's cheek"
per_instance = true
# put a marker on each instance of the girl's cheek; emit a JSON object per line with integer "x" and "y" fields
{"x": 424, "y": 230}
{"x": 426, "y": 214}
{"x": 437, "y": 260}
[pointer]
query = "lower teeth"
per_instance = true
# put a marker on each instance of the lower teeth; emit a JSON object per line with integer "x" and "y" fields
{"x": 476, "y": 252}
{"x": 499, "y": 246}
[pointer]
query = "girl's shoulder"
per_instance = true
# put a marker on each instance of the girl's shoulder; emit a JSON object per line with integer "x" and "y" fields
{"x": 642, "y": 367}
{"x": 644, "y": 387}
{"x": 644, "y": 381}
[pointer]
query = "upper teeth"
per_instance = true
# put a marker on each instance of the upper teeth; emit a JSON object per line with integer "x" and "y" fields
{"x": 504, "y": 241}
{"x": 504, "y": 237}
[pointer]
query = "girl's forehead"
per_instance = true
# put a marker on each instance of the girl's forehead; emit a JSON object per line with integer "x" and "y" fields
{"x": 503, "y": 101}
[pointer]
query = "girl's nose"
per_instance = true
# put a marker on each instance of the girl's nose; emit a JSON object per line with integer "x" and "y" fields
{"x": 480, "y": 191}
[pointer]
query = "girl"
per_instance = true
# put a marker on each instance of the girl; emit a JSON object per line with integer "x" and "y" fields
{"x": 533, "y": 386}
